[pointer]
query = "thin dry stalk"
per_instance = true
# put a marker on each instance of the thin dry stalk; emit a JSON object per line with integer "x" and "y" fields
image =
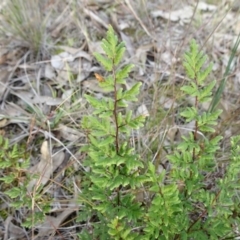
{"x": 23, "y": 20}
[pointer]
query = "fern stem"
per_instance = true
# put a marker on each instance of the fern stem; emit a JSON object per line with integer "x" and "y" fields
{"x": 115, "y": 111}
{"x": 195, "y": 131}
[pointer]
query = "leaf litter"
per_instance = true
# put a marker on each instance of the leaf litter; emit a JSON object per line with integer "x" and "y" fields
{"x": 48, "y": 85}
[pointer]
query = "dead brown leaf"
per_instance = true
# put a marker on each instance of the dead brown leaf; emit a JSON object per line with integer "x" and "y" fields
{"x": 12, "y": 231}
{"x": 45, "y": 167}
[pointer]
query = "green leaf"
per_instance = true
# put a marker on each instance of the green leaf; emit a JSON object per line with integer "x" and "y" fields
{"x": 119, "y": 181}
{"x": 108, "y": 84}
{"x": 5, "y": 164}
{"x": 119, "y": 53}
{"x": 190, "y": 90}
{"x": 123, "y": 73}
{"x": 14, "y": 192}
{"x": 119, "y": 93}
{"x": 112, "y": 38}
{"x": 107, "y": 141}
{"x": 189, "y": 113}
{"x": 128, "y": 116}
{"x": 201, "y": 76}
{"x": 107, "y": 48}
{"x": 151, "y": 168}
{"x": 106, "y": 63}
{"x": 189, "y": 69}
{"x": 9, "y": 178}
{"x": 96, "y": 103}
{"x": 206, "y": 92}
{"x": 122, "y": 103}
{"x": 205, "y": 128}
{"x": 201, "y": 59}
{"x": 136, "y": 122}
{"x": 130, "y": 95}
{"x": 120, "y": 119}
{"x": 154, "y": 188}
{"x": 94, "y": 141}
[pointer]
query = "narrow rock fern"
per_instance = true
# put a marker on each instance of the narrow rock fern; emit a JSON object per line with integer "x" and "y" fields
{"x": 178, "y": 203}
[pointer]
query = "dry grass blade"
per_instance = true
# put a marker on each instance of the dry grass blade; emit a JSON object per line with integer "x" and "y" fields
{"x": 47, "y": 68}
{"x": 139, "y": 20}
{"x": 23, "y": 19}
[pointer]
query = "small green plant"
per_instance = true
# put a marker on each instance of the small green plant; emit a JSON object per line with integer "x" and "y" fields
{"x": 177, "y": 204}
{"x": 205, "y": 206}
{"x": 114, "y": 166}
{"x": 191, "y": 200}
{"x": 13, "y": 163}
{"x": 14, "y": 179}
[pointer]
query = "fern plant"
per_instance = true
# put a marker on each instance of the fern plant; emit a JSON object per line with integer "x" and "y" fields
{"x": 13, "y": 162}
{"x": 206, "y": 206}
{"x": 14, "y": 178}
{"x": 114, "y": 166}
{"x": 177, "y": 204}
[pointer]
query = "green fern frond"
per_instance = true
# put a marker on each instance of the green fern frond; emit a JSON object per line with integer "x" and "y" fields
{"x": 106, "y": 63}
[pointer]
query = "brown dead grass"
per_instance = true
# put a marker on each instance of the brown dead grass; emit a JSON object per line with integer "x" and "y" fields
{"x": 47, "y": 65}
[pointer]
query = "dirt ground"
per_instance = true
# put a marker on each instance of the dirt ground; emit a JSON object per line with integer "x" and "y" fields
{"x": 47, "y": 65}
